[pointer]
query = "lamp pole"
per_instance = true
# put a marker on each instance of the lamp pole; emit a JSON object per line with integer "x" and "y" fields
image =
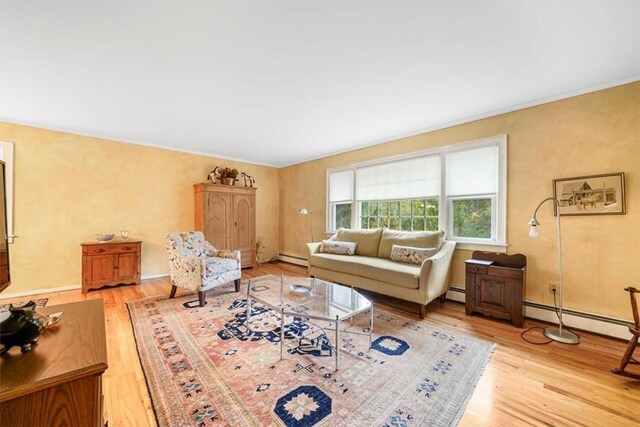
{"x": 555, "y": 334}
{"x": 305, "y": 211}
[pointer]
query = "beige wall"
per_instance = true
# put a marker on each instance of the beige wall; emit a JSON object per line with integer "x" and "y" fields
{"x": 589, "y": 134}
{"x": 69, "y": 187}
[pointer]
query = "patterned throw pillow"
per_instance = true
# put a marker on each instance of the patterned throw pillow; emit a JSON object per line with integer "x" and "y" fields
{"x": 411, "y": 255}
{"x": 338, "y": 248}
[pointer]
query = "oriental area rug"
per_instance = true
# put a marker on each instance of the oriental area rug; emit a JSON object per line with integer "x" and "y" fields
{"x": 203, "y": 368}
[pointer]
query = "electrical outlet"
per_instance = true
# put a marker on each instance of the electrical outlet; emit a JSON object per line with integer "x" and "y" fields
{"x": 553, "y": 287}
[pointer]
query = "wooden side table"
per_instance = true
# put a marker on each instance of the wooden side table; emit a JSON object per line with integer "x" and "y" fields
{"x": 495, "y": 285}
{"x": 59, "y": 381}
{"x": 110, "y": 263}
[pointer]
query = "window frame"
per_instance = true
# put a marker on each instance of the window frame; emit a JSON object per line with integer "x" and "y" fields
{"x": 498, "y": 240}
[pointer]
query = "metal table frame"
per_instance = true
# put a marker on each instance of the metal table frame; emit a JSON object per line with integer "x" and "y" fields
{"x": 283, "y": 313}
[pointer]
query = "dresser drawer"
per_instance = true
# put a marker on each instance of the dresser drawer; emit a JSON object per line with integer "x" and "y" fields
{"x": 112, "y": 248}
{"x": 477, "y": 269}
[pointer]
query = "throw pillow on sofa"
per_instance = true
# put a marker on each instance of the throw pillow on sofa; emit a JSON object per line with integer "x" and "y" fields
{"x": 411, "y": 255}
{"x": 338, "y": 248}
{"x": 414, "y": 239}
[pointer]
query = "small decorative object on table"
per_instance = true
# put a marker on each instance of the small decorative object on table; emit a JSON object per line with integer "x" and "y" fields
{"x": 21, "y": 328}
{"x": 104, "y": 237}
{"x": 124, "y": 233}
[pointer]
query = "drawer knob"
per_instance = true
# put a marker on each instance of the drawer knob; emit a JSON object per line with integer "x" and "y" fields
{"x": 99, "y": 250}
{"x": 127, "y": 248}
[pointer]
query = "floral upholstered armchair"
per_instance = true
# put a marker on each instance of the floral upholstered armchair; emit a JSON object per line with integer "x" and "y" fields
{"x": 195, "y": 264}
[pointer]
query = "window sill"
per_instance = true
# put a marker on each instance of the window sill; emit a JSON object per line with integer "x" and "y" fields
{"x": 488, "y": 247}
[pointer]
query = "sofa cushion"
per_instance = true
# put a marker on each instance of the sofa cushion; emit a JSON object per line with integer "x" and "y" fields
{"x": 367, "y": 240}
{"x": 338, "y": 248}
{"x": 410, "y": 254}
{"x": 416, "y": 239}
{"x": 384, "y": 270}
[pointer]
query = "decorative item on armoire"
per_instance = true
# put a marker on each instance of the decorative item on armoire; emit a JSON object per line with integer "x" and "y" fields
{"x": 226, "y": 176}
{"x": 124, "y": 233}
{"x": 248, "y": 178}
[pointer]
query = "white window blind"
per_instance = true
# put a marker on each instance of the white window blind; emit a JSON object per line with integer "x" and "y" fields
{"x": 403, "y": 179}
{"x": 341, "y": 186}
{"x": 472, "y": 172}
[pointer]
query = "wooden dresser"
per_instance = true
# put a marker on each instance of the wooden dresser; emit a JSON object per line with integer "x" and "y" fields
{"x": 226, "y": 215}
{"x": 58, "y": 382}
{"x": 110, "y": 263}
{"x": 495, "y": 285}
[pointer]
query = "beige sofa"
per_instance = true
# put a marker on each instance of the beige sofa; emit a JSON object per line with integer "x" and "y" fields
{"x": 372, "y": 269}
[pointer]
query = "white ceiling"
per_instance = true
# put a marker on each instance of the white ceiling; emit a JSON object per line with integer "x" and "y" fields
{"x": 282, "y": 82}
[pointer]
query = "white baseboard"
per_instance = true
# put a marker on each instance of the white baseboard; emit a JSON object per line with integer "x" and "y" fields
{"x": 595, "y": 323}
{"x": 153, "y": 276}
{"x": 293, "y": 259}
{"x": 39, "y": 291}
{"x": 65, "y": 288}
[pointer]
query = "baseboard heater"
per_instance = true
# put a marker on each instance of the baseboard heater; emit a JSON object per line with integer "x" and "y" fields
{"x": 594, "y": 323}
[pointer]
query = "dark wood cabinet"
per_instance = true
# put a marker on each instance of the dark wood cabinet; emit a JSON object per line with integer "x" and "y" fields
{"x": 495, "y": 285}
{"x": 59, "y": 381}
{"x": 110, "y": 263}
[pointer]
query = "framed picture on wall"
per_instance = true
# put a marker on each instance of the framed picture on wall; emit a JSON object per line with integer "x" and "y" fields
{"x": 590, "y": 195}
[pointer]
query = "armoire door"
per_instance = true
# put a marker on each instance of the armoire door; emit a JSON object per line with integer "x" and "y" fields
{"x": 218, "y": 223}
{"x": 244, "y": 227}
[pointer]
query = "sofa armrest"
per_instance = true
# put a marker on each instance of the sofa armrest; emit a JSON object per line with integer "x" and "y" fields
{"x": 435, "y": 272}
{"x": 313, "y": 248}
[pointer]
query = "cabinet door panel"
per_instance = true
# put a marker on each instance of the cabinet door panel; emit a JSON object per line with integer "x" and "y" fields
{"x": 127, "y": 267}
{"x": 218, "y": 225}
{"x": 493, "y": 294}
{"x": 244, "y": 233}
{"x": 100, "y": 269}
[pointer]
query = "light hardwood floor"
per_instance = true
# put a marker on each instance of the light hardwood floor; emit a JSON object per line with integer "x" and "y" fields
{"x": 523, "y": 384}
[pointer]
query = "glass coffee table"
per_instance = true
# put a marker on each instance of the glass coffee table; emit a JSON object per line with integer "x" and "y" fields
{"x": 311, "y": 299}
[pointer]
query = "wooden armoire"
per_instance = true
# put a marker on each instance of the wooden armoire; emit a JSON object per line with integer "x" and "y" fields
{"x": 226, "y": 214}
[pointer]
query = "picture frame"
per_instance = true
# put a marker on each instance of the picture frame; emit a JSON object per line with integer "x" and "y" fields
{"x": 590, "y": 195}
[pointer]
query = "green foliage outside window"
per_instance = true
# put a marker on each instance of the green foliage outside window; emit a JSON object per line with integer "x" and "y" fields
{"x": 343, "y": 215}
{"x": 472, "y": 218}
{"x": 410, "y": 215}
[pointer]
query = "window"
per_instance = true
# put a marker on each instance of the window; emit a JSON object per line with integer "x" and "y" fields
{"x": 341, "y": 198}
{"x": 411, "y": 214}
{"x": 471, "y": 192}
{"x": 459, "y": 188}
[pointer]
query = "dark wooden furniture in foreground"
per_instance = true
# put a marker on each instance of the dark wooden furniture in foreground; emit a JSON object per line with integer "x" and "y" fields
{"x": 58, "y": 382}
{"x": 110, "y": 263}
{"x": 495, "y": 285}
{"x": 633, "y": 342}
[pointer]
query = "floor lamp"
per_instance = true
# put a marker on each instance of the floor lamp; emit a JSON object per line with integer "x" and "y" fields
{"x": 305, "y": 211}
{"x": 555, "y": 334}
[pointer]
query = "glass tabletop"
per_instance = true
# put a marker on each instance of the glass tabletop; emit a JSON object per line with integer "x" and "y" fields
{"x": 308, "y": 296}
